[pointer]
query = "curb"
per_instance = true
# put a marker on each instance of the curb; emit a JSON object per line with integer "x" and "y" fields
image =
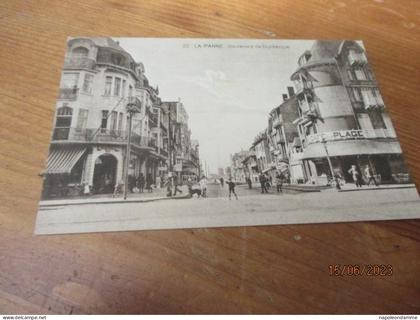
{"x": 46, "y": 205}
{"x": 372, "y": 189}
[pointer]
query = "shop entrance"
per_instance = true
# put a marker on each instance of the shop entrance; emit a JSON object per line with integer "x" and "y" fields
{"x": 382, "y": 167}
{"x": 104, "y": 176}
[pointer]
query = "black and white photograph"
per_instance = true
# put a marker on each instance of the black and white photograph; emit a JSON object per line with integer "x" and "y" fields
{"x": 168, "y": 133}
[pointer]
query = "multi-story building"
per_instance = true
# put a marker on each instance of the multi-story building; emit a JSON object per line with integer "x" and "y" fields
{"x": 342, "y": 113}
{"x": 90, "y": 134}
{"x": 237, "y": 165}
{"x": 184, "y": 158}
{"x": 251, "y": 166}
{"x": 282, "y": 135}
{"x": 262, "y": 152}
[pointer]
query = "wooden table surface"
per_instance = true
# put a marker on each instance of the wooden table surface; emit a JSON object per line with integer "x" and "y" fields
{"x": 276, "y": 269}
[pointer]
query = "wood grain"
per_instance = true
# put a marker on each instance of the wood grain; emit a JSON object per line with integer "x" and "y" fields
{"x": 280, "y": 269}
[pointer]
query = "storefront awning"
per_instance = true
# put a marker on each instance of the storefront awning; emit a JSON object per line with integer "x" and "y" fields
{"x": 63, "y": 160}
{"x": 351, "y": 148}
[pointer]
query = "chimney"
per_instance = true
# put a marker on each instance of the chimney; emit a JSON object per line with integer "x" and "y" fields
{"x": 291, "y": 91}
{"x": 284, "y": 96}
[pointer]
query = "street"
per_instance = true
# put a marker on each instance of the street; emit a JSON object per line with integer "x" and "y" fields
{"x": 252, "y": 208}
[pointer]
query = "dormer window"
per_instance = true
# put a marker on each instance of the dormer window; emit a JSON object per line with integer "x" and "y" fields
{"x": 80, "y": 52}
{"x": 117, "y": 59}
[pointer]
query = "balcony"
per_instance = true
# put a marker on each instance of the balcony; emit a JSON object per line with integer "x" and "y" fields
{"x": 277, "y": 121}
{"x": 71, "y": 63}
{"x": 302, "y": 87}
{"x": 68, "y": 94}
{"x": 342, "y": 135}
{"x": 94, "y": 135}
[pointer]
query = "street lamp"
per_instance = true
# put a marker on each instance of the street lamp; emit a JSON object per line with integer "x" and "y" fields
{"x": 132, "y": 107}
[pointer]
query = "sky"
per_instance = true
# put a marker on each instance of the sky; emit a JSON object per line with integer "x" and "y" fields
{"x": 228, "y": 87}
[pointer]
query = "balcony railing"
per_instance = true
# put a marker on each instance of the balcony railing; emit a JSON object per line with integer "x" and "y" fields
{"x": 79, "y": 63}
{"x": 68, "y": 93}
{"x": 101, "y": 135}
{"x": 350, "y": 135}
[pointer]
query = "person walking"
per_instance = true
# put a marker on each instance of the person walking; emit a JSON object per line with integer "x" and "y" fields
{"x": 203, "y": 186}
{"x": 249, "y": 181}
{"x": 369, "y": 175}
{"x": 222, "y": 182}
{"x": 149, "y": 182}
{"x": 176, "y": 184}
{"x": 231, "y": 186}
{"x": 279, "y": 181}
{"x": 263, "y": 181}
{"x": 169, "y": 185}
{"x": 356, "y": 176}
{"x": 140, "y": 182}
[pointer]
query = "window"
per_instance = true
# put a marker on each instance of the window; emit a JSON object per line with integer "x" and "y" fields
{"x": 63, "y": 123}
{"x": 130, "y": 91}
{"x": 357, "y": 95}
{"x": 378, "y": 96}
{"x": 114, "y": 115}
{"x": 108, "y": 86}
{"x": 123, "y": 88}
{"x": 364, "y": 121}
{"x": 82, "y": 118}
{"x": 80, "y": 52}
{"x": 104, "y": 121}
{"x": 350, "y": 74}
{"x": 360, "y": 74}
{"x": 377, "y": 120}
{"x": 117, "y": 86}
{"x": 69, "y": 80}
{"x": 87, "y": 83}
{"x": 120, "y": 120}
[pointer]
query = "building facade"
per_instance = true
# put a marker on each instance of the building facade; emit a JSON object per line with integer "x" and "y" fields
{"x": 342, "y": 115}
{"x": 238, "y": 167}
{"x": 88, "y": 145}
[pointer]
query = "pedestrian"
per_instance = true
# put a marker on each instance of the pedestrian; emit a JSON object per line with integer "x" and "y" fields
{"x": 279, "y": 181}
{"x": 158, "y": 182}
{"x": 176, "y": 184}
{"x": 203, "y": 186}
{"x": 86, "y": 189}
{"x": 222, "y": 182}
{"x": 356, "y": 176}
{"x": 169, "y": 185}
{"x": 337, "y": 179}
{"x": 263, "y": 181}
{"x": 249, "y": 181}
{"x": 140, "y": 182}
{"x": 231, "y": 186}
{"x": 149, "y": 182}
{"x": 369, "y": 175}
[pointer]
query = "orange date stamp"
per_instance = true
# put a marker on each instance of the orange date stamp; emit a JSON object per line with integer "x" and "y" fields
{"x": 369, "y": 270}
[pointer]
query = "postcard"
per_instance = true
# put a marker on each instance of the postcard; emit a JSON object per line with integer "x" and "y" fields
{"x": 155, "y": 133}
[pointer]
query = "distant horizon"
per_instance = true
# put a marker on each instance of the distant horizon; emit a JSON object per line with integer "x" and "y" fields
{"x": 227, "y": 86}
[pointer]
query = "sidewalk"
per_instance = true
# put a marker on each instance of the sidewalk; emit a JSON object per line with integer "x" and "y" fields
{"x": 351, "y": 187}
{"x": 157, "y": 194}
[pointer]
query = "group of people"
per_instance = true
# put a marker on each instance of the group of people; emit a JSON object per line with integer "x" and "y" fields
{"x": 140, "y": 183}
{"x": 357, "y": 176}
{"x": 266, "y": 181}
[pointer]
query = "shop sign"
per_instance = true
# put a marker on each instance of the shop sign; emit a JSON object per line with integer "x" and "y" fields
{"x": 178, "y": 167}
{"x": 336, "y": 135}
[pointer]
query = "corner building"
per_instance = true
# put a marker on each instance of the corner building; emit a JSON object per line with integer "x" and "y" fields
{"x": 341, "y": 111}
{"x": 88, "y": 145}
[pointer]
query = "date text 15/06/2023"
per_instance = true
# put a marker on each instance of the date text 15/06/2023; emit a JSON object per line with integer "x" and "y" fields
{"x": 369, "y": 270}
